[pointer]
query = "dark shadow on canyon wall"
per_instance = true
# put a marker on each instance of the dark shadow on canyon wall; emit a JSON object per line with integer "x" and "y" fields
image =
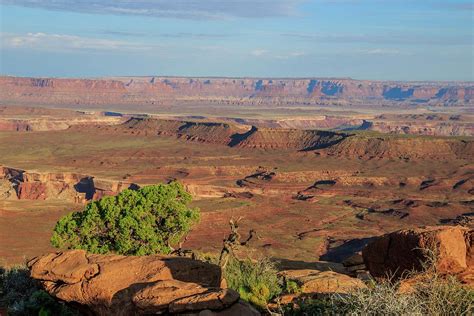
{"x": 339, "y": 251}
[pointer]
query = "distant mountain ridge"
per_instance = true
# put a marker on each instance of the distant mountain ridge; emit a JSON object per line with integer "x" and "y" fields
{"x": 162, "y": 90}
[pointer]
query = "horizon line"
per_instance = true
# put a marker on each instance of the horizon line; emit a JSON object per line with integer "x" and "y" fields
{"x": 105, "y": 77}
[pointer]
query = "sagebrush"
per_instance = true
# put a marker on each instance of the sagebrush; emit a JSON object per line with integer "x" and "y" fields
{"x": 432, "y": 295}
{"x": 255, "y": 280}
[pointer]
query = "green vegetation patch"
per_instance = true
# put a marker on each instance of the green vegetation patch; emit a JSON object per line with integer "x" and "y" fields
{"x": 135, "y": 222}
{"x": 256, "y": 281}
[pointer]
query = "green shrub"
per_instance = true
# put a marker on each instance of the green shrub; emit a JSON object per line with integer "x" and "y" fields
{"x": 22, "y": 295}
{"x": 256, "y": 281}
{"x": 310, "y": 307}
{"x": 291, "y": 287}
{"x": 135, "y": 222}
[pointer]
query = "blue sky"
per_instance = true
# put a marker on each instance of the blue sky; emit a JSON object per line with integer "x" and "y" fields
{"x": 363, "y": 39}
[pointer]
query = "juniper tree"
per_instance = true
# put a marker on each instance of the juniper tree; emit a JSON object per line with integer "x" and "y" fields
{"x": 135, "y": 222}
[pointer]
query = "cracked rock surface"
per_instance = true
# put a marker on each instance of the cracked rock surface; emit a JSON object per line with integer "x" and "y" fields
{"x": 131, "y": 285}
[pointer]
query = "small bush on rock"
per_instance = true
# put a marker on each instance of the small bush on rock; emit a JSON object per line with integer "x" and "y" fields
{"x": 256, "y": 281}
{"x": 135, "y": 222}
{"x": 291, "y": 287}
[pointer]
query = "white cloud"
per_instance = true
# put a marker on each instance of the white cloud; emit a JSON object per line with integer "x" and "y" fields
{"x": 259, "y": 52}
{"x": 297, "y": 54}
{"x": 64, "y": 42}
{"x": 290, "y": 55}
{"x": 380, "y": 51}
{"x": 269, "y": 54}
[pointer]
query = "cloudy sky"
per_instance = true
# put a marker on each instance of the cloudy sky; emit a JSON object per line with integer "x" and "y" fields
{"x": 364, "y": 39}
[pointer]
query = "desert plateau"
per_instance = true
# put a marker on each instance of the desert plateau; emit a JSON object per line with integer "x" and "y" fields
{"x": 236, "y": 158}
{"x": 339, "y": 186}
{"x": 317, "y": 185}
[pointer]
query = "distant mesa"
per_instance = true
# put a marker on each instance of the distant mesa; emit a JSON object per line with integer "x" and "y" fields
{"x": 327, "y": 143}
{"x": 253, "y": 91}
{"x": 228, "y": 134}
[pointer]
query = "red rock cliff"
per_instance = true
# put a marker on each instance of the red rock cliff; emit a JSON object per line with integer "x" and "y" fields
{"x": 156, "y": 90}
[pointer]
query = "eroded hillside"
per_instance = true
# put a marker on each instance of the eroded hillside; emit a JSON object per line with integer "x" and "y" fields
{"x": 354, "y": 145}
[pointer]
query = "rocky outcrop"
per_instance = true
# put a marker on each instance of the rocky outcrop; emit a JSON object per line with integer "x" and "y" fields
{"x": 293, "y": 139}
{"x": 260, "y": 175}
{"x": 15, "y": 125}
{"x": 355, "y": 264}
{"x": 254, "y": 91}
{"x": 227, "y": 134}
{"x": 27, "y": 119}
{"x": 72, "y": 187}
{"x": 206, "y": 132}
{"x": 7, "y": 190}
{"x": 447, "y": 249}
{"x": 120, "y": 285}
{"x": 398, "y": 147}
{"x": 303, "y": 122}
{"x": 336, "y": 144}
{"x": 315, "y": 281}
{"x": 414, "y": 124}
{"x": 423, "y": 128}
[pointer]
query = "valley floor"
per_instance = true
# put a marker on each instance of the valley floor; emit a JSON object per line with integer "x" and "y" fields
{"x": 304, "y": 205}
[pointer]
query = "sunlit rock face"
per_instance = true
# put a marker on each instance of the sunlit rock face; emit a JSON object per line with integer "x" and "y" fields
{"x": 158, "y": 90}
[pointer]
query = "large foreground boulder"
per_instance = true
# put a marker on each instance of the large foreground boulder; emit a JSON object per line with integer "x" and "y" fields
{"x": 447, "y": 249}
{"x": 121, "y": 285}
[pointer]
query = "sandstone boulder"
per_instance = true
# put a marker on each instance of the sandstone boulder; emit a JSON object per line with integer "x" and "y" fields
{"x": 354, "y": 260}
{"x": 400, "y": 252}
{"x": 315, "y": 281}
{"x": 467, "y": 276}
{"x": 121, "y": 285}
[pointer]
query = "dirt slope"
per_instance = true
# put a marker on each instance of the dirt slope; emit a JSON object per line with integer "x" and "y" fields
{"x": 269, "y": 138}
